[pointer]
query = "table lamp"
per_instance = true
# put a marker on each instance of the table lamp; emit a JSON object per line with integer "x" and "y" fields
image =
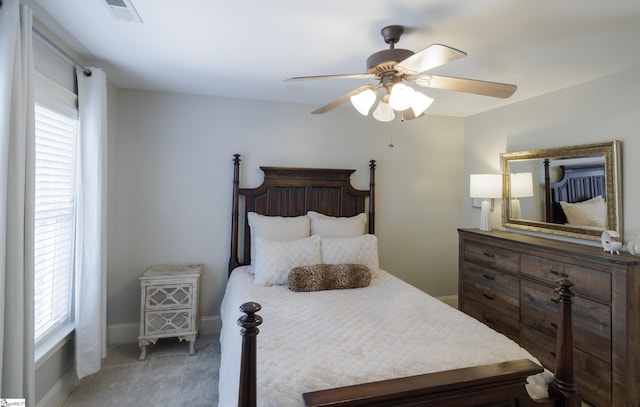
{"x": 521, "y": 187}
{"x": 487, "y": 187}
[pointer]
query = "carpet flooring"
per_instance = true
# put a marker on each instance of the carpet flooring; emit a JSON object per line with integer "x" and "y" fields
{"x": 168, "y": 377}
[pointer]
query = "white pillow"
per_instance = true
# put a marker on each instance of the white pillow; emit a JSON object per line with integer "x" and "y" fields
{"x": 352, "y": 250}
{"x": 275, "y": 258}
{"x": 591, "y": 212}
{"x": 329, "y": 226}
{"x": 276, "y": 228}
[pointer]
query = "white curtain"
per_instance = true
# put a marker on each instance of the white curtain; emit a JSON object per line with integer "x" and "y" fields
{"x": 91, "y": 314}
{"x": 17, "y": 132}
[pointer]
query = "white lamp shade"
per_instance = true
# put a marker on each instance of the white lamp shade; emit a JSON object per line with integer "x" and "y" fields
{"x": 420, "y": 103}
{"x": 364, "y": 100}
{"x": 485, "y": 186}
{"x": 384, "y": 112}
{"x": 401, "y": 97}
{"x": 521, "y": 185}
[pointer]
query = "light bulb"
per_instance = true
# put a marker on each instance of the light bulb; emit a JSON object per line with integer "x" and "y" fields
{"x": 401, "y": 97}
{"x": 384, "y": 112}
{"x": 364, "y": 100}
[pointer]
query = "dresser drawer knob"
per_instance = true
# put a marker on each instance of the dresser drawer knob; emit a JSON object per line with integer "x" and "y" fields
{"x": 488, "y": 296}
{"x": 559, "y": 274}
{"x": 491, "y": 255}
{"x": 554, "y": 325}
{"x": 488, "y": 277}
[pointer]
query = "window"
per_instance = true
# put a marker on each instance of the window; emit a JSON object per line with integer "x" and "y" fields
{"x": 56, "y": 128}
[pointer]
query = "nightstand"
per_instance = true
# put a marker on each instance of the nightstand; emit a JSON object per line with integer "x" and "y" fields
{"x": 169, "y": 304}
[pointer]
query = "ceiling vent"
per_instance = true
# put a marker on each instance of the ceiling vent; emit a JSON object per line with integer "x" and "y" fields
{"x": 123, "y": 10}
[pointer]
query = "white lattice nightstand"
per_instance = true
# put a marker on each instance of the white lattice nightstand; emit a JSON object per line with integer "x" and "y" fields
{"x": 169, "y": 304}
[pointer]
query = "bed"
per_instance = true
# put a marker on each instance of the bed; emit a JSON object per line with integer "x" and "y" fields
{"x": 380, "y": 343}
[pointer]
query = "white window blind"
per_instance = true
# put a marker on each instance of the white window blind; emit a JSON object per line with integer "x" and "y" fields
{"x": 55, "y": 180}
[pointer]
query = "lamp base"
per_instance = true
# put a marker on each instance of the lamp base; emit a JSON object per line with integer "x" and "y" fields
{"x": 485, "y": 215}
{"x": 516, "y": 213}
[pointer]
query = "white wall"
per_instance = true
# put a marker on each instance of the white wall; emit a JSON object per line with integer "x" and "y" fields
{"x": 596, "y": 111}
{"x": 170, "y": 168}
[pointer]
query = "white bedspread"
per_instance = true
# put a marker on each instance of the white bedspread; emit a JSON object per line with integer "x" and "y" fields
{"x": 319, "y": 340}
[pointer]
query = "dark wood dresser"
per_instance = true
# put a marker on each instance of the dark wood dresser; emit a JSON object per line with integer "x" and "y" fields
{"x": 507, "y": 279}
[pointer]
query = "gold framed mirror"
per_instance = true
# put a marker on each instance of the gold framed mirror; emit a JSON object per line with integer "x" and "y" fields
{"x": 569, "y": 191}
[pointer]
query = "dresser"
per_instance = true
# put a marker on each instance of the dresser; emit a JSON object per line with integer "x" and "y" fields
{"x": 507, "y": 281}
{"x": 169, "y": 304}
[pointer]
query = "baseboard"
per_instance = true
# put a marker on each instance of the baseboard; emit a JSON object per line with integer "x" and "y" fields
{"x": 451, "y": 300}
{"x": 60, "y": 391}
{"x": 128, "y": 333}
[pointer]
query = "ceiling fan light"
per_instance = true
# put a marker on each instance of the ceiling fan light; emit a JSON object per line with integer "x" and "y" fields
{"x": 420, "y": 103}
{"x": 363, "y": 101}
{"x": 384, "y": 112}
{"x": 401, "y": 97}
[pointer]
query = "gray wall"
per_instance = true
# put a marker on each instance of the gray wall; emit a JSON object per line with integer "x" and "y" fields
{"x": 602, "y": 110}
{"x": 170, "y": 169}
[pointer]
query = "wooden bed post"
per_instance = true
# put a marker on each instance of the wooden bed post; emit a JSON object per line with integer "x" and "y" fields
{"x": 233, "y": 257}
{"x": 372, "y": 196}
{"x": 563, "y": 387}
{"x": 547, "y": 192}
{"x": 249, "y": 332}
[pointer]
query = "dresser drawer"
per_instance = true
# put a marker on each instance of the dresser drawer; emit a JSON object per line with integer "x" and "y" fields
{"x": 591, "y": 320}
{"x": 592, "y": 374}
{"x": 587, "y": 282}
{"x": 168, "y": 322}
{"x": 492, "y": 257}
{"x": 494, "y": 289}
{"x": 168, "y": 296}
{"x": 494, "y": 319}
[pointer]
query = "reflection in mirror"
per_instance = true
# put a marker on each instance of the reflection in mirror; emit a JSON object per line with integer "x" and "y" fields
{"x": 571, "y": 191}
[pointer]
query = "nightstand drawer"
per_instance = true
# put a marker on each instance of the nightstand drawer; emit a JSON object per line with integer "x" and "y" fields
{"x": 168, "y": 322}
{"x": 169, "y": 296}
{"x": 492, "y": 257}
{"x": 587, "y": 282}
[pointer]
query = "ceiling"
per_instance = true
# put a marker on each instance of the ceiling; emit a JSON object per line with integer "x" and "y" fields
{"x": 245, "y": 49}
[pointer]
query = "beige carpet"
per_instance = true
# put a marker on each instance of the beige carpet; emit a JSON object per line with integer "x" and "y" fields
{"x": 168, "y": 377}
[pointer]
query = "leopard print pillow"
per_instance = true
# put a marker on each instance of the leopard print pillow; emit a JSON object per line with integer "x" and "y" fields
{"x": 328, "y": 277}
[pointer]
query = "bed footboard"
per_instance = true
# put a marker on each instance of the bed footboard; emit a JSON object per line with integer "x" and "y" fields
{"x": 498, "y": 384}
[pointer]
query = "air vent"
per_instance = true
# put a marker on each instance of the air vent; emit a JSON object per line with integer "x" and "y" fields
{"x": 123, "y": 10}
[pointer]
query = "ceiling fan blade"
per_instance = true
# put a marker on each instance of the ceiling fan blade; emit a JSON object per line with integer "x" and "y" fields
{"x": 484, "y": 88}
{"x": 339, "y": 101}
{"x": 342, "y": 76}
{"x": 432, "y": 56}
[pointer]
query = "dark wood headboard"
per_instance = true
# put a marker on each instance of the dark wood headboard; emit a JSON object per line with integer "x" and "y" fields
{"x": 294, "y": 192}
{"x": 579, "y": 183}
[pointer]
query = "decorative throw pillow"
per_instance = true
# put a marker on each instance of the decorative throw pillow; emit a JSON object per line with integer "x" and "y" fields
{"x": 329, "y": 226}
{"x": 276, "y": 228}
{"x": 329, "y": 277}
{"x": 354, "y": 250}
{"x": 275, "y": 258}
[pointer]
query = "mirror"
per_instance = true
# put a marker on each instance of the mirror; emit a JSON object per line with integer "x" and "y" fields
{"x": 570, "y": 191}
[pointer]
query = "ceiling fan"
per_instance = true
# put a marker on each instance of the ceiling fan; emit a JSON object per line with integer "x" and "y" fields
{"x": 394, "y": 66}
